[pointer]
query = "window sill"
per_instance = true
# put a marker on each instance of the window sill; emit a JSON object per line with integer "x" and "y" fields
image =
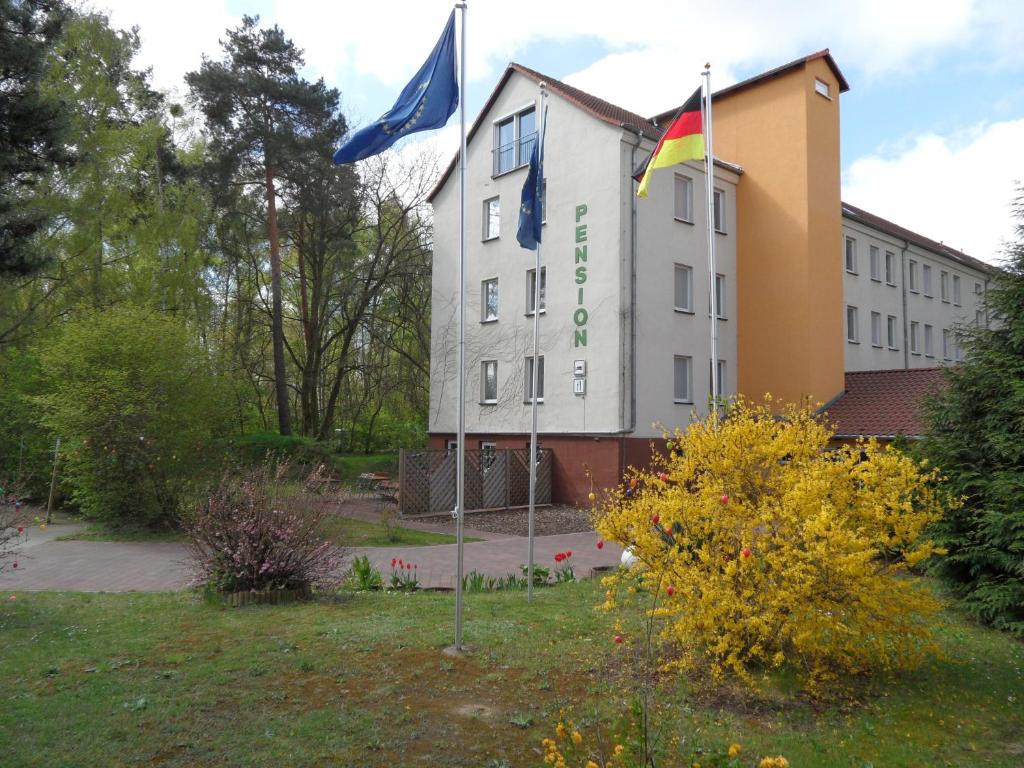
{"x": 890, "y": 284}
{"x": 720, "y": 231}
{"x": 488, "y": 321}
{"x": 682, "y": 402}
{"x": 916, "y": 354}
{"x": 488, "y": 402}
{"x": 956, "y": 304}
{"x": 913, "y": 290}
{"x": 928, "y": 296}
{"x": 876, "y": 279}
{"x": 945, "y": 301}
{"x": 683, "y": 311}
{"x": 851, "y": 272}
{"x": 499, "y": 174}
{"x": 530, "y": 313}
{"x": 893, "y": 349}
{"x": 930, "y": 357}
{"x": 877, "y": 346}
{"x": 489, "y": 239}
{"x": 540, "y": 401}
{"x": 683, "y": 221}
{"x": 852, "y": 341}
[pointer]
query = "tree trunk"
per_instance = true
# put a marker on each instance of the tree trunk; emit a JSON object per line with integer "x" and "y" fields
{"x": 284, "y": 420}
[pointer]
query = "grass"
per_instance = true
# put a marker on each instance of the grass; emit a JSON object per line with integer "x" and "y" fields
{"x": 167, "y": 680}
{"x": 345, "y": 531}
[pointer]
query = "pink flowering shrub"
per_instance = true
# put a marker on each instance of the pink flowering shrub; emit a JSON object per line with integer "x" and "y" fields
{"x": 251, "y": 533}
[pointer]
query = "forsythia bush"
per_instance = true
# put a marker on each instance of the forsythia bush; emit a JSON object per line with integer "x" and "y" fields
{"x": 768, "y": 549}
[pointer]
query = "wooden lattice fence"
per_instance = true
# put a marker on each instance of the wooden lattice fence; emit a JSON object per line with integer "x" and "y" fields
{"x": 495, "y": 479}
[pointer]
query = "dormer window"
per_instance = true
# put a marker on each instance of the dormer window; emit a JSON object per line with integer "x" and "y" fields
{"x": 514, "y": 137}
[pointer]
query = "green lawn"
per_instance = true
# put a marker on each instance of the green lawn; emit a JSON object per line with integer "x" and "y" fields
{"x": 346, "y": 531}
{"x": 167, "y": 680}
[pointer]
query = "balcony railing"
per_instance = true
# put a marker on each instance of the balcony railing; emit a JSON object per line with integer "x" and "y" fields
{"x": 513, "y": 155}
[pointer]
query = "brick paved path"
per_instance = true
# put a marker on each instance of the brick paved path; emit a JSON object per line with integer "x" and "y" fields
{"x": 102, "y": 566}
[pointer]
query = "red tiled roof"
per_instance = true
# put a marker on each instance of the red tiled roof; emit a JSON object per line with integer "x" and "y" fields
{"x": 859, "y": 214}
{"x": 884, "y": 403}
{"x": 776, "y": 72}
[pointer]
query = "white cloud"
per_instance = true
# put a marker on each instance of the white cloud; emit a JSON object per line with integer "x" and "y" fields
{"x": 955, "y": 188}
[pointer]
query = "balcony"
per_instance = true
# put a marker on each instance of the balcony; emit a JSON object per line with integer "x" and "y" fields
{"x": 514, "y": 154}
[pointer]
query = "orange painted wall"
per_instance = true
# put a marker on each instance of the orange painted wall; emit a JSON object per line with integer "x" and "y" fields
{"x": 789, "y": 277}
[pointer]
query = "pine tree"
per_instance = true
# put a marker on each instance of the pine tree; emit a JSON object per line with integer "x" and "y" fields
{"x": 976, "y": 437}
{"x": 259, "y": 113}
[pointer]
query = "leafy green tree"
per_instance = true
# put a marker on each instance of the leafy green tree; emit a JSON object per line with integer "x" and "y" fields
{"x": 33, "y": 126}
{"x": 976, "y": 436}
{"x": 260, "y": 113}
{"x": 135, "y": 400}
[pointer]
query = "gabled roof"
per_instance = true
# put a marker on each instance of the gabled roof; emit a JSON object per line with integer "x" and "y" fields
{"x": 884, "y": 403}
{"x": 771, "y": 73}
{"x": 603, "y": 110}
{"x": 877, "y": 222}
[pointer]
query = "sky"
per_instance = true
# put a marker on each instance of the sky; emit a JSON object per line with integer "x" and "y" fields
{"x": 932, "y": 127}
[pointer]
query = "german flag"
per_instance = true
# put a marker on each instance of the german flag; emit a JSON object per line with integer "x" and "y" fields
{"x": 682, "y": 141}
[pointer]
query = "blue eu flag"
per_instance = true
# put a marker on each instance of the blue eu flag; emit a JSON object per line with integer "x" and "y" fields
{"x": 531, "y": 211}
{"x": 426, "y": 102}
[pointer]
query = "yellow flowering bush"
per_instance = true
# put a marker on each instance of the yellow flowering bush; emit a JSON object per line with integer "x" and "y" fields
{"x": 766, "y": 548}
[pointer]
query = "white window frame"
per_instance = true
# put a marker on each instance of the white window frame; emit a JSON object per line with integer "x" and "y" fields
{"x": 929, "y": 341}
{"x": 720, "y": 293}
{"x": 528, "y": 390}
{"x": 530, "y": 291}
{"x": 520, "y": 158}
{"x": 488, "y": 453}
{"x": 720, "y": 372}
{"x": 687, "y": 362}
{"x": 687, "y": 271}
{"x": 890, "y": 268}
{"x": 484, "y": 316}
{"x": 912, "y": 285}
{"x": 850, "y": 255}
{"x": 892, "y": 331}
{"x": 944, "y": 286}
{"x": 719, "y": 211}
{"x": 686, "y": 214}
{"x": 875, "y": 262}
{"x": 926, "y": 280}
{"x": 484, "y": 399}
{"x": 957, "y": 295}
{"x": 852, "y": 321}
{"x": 947, "y": 344}
{"x": 876, "y": 329}
{"x": 822, "y": 89}
{"x": 487, "y": 234}
{"x": 915, "y": 347}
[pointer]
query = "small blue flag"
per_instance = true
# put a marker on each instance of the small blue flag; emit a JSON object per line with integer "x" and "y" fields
{"x": 426, "y": 102}
{"x": 531, "y": 212}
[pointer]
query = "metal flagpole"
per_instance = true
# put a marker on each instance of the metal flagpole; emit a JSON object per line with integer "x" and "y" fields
{"x": 536, "y": 362}
{"x": 460, "y": 447}
{"x": 709, "y": 160}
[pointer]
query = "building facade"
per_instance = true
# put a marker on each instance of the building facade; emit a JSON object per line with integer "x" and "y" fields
{"x": 625, "y": 306}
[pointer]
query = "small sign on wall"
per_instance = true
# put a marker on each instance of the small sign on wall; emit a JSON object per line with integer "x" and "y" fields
{"x": 579, "y": 386}
{"x": 579, "y": 368}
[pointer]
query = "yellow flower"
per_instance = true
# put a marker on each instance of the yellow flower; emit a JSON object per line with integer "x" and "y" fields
{"x": 619, "y": 749}
{"x": 734, "y": 750}
{"x": 577, "y": 739}
{"x": 560, "y": 730}
{"x": 592, "y": 764}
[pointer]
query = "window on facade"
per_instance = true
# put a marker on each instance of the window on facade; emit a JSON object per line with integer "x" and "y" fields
{"x": 914, "y": 333}
{"x": 912, "y": 276}
{"x": 719, "y": 210}
{"x": 890, "y": 268}
{"x": 822, "y": 88}
{"x": 514, "y": 138}
{"x": 876, "y": 329}
{"x": 492, "y": 218}
{"x": 958, "y": 351}
{"x": 540, "y": 379}
{"x": 944, "y": 285}
{"x": 890, "y": 331}
{"x": 977, "y": 289}
{"x": 979, "y": 317}
{"x": 956, "y": 290}
{"x": 489, "y": 300}
{"x": 875, "y": 259}
{"x": 489, "y": 381}
{"x": 851, "y": 256}
{"x": 929, "y": 350}
{"x": 851, "y": 324}
{"x": 720, "y": 372}
{"x": 488, "y": 453}
{"x": 683, "y": 288}
{"x": 926, "y": 280}
{"x": 947, "y": 344}
{"x": 684, "y": 199}
{"x": 720, "y": 295}
{"x": 682, "y": 379}
{"x": 531, "y": 289}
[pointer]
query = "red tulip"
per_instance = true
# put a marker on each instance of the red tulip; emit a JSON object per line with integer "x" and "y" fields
{"x": 655, "y": 519}
{"x": 21, "y": 529}
{"x": 569, "y": 553}
{"x": 393, "y": 561}
{"x": 668, "y": 530}
{"x": 600, "y": 544}
{"x": 724, "y": 499}
{"x": 558, "y": 557}
{"x": 663, "y": 477}
{"x": 618, "y": 638}
{"x": 401, "y": 564}
{"x": 408, "y": 566}
{"x": 670, "y": 590}
{"x": 746, "y": 552}
{"x": 14, "y": 566}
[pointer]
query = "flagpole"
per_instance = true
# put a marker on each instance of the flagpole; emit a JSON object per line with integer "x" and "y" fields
{"x": 460, "y": 461}
{"x": 709, "y": 160}
{"x": 535, "y": 373}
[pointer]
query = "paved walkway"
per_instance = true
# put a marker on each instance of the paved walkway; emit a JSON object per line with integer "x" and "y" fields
{"x": 101, "y": 566}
